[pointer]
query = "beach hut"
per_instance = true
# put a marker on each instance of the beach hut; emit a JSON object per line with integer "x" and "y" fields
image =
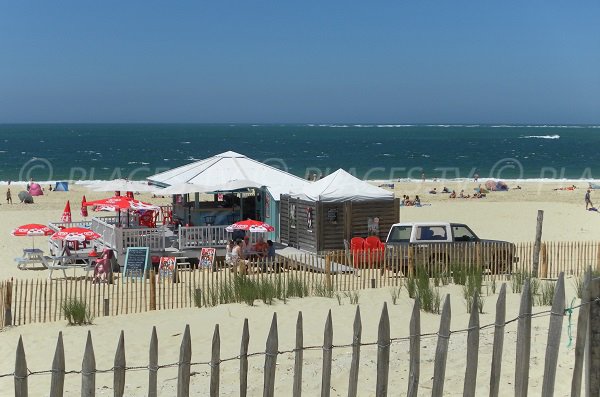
{"x": 336, "y": 208}
{"x": 255, "y": 189}
{"x": 61, "y": 187}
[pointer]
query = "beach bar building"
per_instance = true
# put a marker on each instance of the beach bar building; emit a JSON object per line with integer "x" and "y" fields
{"x": 333, "y": 209}
{"x": 238, "y": 188}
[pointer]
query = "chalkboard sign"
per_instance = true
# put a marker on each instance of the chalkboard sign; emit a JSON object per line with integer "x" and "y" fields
{"x": 136, "y": 262}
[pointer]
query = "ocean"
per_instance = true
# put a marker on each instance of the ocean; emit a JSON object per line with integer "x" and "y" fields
{"x": 50, "y": 152}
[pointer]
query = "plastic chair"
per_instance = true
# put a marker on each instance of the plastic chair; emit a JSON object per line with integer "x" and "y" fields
{"x": 357, "y": 246}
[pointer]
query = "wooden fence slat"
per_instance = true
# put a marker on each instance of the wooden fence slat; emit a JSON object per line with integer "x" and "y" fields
{"x": 441, "y": 351}
{"x": 523, "y": 342}
{"x": 20, "y": 371}
{"x": 354, "y": 366}
{"x": 244, "y": 359}
{"x": 185, "y": 358}
{"x": 582, "y": 324}
{"x": 383, "y": 353}
{"x": 299, "y": 355}
{"x": 119, "y": 368}
{"x": 498, "y": 342}
{"x": 593, "y": 386}
{"x": 153, "y": 365}
{"x": 554, "y": 332}
{"x": 215, "y": 362}
{"x": 58, "y": 369}
{"x": 415, "y": 350}
{"x": 472, "y": 350}
{"x": 88, "y": 369}
{"x": 271, "y": 349}
{"x": 327, "y": 356}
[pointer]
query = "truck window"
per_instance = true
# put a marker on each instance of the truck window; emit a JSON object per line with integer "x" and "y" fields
{"x": 463, "y": 233}
{"x": 428, "y": 233}
{"x": 400, "y": 234}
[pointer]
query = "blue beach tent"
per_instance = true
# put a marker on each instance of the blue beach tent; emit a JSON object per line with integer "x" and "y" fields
{"x": 61, "y": 187}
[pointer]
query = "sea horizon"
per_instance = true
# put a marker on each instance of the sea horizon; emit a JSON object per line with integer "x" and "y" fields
{"x": 380, "y": 152}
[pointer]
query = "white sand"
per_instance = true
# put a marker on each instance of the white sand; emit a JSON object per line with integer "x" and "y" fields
{"x": 510, "y": 215}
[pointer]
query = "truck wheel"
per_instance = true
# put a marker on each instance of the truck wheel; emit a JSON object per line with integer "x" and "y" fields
{"x": 501, "y": 263}
{"x": 437, "y": 263}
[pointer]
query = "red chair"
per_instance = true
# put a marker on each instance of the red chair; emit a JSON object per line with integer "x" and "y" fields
{"x": 375, "y": 249}
{"x": 357, "y": 246}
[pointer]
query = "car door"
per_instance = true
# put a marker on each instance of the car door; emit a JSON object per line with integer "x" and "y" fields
{"x": 465, "y": 242}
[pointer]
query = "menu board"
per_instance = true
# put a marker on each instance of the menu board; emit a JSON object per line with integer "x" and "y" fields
{"x": 136, "y": 262}
{"x": 207, "y": 257}
{"x": 167, "y": 266}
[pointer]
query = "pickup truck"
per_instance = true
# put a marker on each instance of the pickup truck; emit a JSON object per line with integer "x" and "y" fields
{"x": 443, "y": 243}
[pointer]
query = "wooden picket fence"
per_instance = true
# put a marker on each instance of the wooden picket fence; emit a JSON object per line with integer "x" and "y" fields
{"x": 40, "y": 301}
{"x": 587, "y": 337}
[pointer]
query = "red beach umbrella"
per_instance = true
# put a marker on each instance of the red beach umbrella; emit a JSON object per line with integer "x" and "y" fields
{"x": 119, "y": 203}
{"x": 78, "y": 234}
{"x": 32, "y": 230}
{"x": 84, "y": 211}
{"x": 66, "y": 216}
{"x": 251, "y": 226}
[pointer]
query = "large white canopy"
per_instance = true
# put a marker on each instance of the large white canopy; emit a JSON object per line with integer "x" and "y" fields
{"x": 123, "y": 185}
{"x": 232, "y": 170}
{"x": 341, "y": 186}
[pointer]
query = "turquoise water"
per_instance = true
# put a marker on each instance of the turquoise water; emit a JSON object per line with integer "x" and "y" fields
{"x": 387, "y": 152}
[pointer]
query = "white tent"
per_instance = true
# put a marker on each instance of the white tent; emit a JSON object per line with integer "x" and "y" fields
{"x": 341, "y": 186}
{"x": 122, "y": 185}
{"x": 226, "y": 168}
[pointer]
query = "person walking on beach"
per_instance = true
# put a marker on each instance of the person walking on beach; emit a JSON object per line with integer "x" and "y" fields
{"x": 588, "y": 200}
{"x": 8, "y": 197}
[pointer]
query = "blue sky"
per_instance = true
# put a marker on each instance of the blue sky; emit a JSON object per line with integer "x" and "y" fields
{"x": 300, "y": 62}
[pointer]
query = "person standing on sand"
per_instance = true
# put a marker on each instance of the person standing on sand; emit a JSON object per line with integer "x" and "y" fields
{"x": 8, "y": 197}
{"x": 588, "y": 200}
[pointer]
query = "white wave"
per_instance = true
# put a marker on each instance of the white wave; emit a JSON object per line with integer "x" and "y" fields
{"x": 185, "y": 143}
{"x": 540, "y": 137}
{"x": 394, "y": 125}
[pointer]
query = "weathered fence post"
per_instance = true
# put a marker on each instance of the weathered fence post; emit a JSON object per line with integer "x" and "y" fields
{"x": 594, "y": 339}
{"x": 244, "y": 359}
{"x": 299, "y": 355}
{"x": 544, "y": 261}
{"x": 411, "y": 260}
{"x": 20, "y": 371}
{"x": 119, "y": 368}
{"x": 8, "y": 304}
{"x": 271, "y": 350}
{"x": 580, "y": 339}
{"x": 498, "y": 342}
{"x": 327, "y": 355}
{"x": 538, "y": 242}
{"x": 441, "y": 351}
{"x": 523, "y": 342}
{"x": 215, "y": 364}
{"x": 472, "y": 350}
{"x": 556, "y": 319}
{"x": 328, "y": 272}
{"x": 354, "y": 365}
{"x": 88, "y": 369}
{"x": 185, "y": 358}
{"x": 58, "y": 369}
{"x": 152, "y": 290}
{"x": 153, "y": 365}
{"x": 106, "y": 307}
{"x": 415, "y": 350}
{"x": 383, "y": 353}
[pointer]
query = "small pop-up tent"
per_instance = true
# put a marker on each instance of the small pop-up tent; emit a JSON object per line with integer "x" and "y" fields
{"x": 61, "y": 187}
{"x": 35, "y": 190}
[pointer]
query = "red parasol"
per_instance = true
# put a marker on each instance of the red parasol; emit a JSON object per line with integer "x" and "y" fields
{"x": 120, "y": 203}
{"x": 78, "y": 234}
{"x": 66, "y": 216}
{"x": 32, "y": 230}
{"x": 84, "y": 211}
{"x": 251, "y": 226}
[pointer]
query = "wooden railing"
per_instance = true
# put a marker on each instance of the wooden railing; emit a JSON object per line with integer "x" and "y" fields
{"x": 202, "y": 236}
{"x": 387, "y": 359}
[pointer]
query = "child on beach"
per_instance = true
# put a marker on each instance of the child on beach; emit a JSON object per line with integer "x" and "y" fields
{"x": 588, "y": 200}
{"x": 8, "y": 197}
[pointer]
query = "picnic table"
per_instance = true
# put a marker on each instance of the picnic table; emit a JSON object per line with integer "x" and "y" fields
{"x": 32, "y": 256}
{"x": 74, "y": 261}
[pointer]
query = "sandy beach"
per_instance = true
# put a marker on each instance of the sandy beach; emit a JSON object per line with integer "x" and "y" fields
{"x": 501, "y": 215}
